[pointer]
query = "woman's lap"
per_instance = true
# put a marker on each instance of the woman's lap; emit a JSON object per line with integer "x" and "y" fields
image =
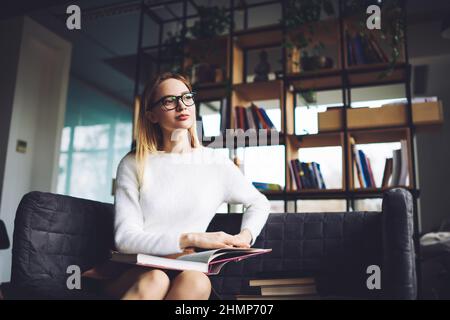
{"x": 122, "y": 277}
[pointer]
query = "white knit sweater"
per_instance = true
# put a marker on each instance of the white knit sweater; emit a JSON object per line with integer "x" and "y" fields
{"x": 180, "y": 193}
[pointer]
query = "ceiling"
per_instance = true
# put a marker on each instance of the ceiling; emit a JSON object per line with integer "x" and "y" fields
{"x": 104, "y": 50}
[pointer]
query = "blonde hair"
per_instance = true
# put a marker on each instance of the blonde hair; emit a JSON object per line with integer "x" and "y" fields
{"x": 149, "y": 138}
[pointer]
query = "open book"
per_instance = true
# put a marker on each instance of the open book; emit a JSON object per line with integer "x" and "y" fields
{"x": 209, "y": 261}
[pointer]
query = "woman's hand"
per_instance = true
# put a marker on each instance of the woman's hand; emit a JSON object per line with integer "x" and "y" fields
{"x": 214, "y": 240}
{"x": 245, "y": 235}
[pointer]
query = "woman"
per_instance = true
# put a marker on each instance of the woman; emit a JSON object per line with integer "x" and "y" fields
{"x": 167, "y": 192}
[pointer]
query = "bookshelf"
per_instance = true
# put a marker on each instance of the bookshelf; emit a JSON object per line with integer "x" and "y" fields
{"x": 337, "y": 127}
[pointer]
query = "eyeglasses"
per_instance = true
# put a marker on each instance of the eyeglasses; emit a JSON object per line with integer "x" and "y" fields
{"x": 171, "y": 102}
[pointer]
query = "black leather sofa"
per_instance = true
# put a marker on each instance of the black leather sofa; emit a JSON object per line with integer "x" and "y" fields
{"x": 54, "y": 231}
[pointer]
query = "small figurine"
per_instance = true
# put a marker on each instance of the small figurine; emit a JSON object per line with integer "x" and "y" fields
{"x": 262, "y": 69}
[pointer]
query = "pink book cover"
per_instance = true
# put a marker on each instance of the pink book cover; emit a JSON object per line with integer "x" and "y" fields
{"x": 208, "y": 261}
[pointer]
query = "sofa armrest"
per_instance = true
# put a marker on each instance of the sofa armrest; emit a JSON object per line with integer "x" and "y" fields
{"x": 398, "y": 273}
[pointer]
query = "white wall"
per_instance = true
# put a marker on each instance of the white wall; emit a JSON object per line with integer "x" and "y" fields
{"x": 427, "y": 47}
{"x": 433, "y": 149}
{"x": 36, "y": 115}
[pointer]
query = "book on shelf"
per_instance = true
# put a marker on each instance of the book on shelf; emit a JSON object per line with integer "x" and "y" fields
{"x": 223, "y": 116}
{"x": 250, "y": 120}
{"x": 252, "y": 117}
{"x": 363, "y": 167}
{"x": 387, "y": 172}
{"x": 306, "y": 175}
{"x": 209, "y": 262}
{"x": 288, "y": 290}
{"x": 267, "y": 186}
{"x": 281, "y": 281}
{"x": 366, "y": 170}
{"x": 364, "y": 50}
{"x": 395, "y": 171}
{"x": 283, "y": 289}
{"x": 400, "y": 172}
{"x": 404, "y": 176}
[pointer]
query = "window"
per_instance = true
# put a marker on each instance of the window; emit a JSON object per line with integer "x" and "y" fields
{"x": 263, "y": 164}
{"x": 211, "y": 117}
{"x": 96, "y": 136}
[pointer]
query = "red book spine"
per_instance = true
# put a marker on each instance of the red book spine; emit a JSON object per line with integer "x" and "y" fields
{"x": 242, "y": 111}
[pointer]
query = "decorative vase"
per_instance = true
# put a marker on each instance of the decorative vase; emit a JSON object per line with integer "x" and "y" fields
{"x": 202, "y": 73}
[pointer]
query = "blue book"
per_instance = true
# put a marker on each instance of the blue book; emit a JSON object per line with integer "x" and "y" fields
{"x": 308, "y": 175}
{"x": 266, "y": 186}
{"x": 322, "y": 181}
{"x": 365, "y": 170}
{"x": 266, "y": 118}
{"x": 359, "y": 52}
{"x": 350, "y": 58}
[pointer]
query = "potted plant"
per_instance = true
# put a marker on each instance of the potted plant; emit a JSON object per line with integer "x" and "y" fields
{"x": 302, "y": 54}
{"x": 393, "y": 27}
{"x": 212, "y": 22}
{"x": 172, "y": 52}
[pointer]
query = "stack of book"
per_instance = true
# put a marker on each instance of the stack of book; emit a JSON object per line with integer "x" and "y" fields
{"x": 364, "y": 50}
{"x": 283, "y": 289}
{"x": 267, "y": 186}
{"x": 363, "y": 167}
{"x": 396, "y": 171}
{"x": 251, "y": 117}
{"x": 307, "y": 175}
{"x": 395, "y": 168}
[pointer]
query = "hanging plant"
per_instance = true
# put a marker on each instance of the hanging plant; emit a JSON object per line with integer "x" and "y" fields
{"x": 392, "y": 25}
{"x": 172, "y": 51}
{"x": 212, "y": 22}
{"x": 298, "y": 14}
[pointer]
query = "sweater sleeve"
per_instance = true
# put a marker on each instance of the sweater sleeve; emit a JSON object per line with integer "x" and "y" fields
{"x": 240, "y": 190}
{"x": 129, "y": 234}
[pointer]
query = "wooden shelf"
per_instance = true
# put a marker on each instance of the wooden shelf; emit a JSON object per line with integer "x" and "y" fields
{"x": 316, "y": 194}
{"x": 274, "y": 194}
{"x": 323, "y": 79}
{"x": 369, "y": 75}
{"x": 358, "y": 76}
{"x": 259, "y": 37}
{"x": 367, "y": 136}
{"x": 330, "y": 194}
{"x": 389, "y": 116}
{"x": 264, "y": 90}
{"x": 210, "y": 91}
{"x": 378, "y": 192}
{"x": 331, "y": 139}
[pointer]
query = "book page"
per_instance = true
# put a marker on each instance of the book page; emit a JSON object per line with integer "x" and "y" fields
{"x": 203, "y": 256}
{"x": 210, "y": 255}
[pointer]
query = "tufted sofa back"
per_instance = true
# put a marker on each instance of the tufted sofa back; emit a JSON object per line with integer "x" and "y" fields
{"x": 54, "y": 231}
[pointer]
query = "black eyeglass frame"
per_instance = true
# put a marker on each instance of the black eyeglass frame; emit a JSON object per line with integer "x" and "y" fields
{"x": 180, "y": 97}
